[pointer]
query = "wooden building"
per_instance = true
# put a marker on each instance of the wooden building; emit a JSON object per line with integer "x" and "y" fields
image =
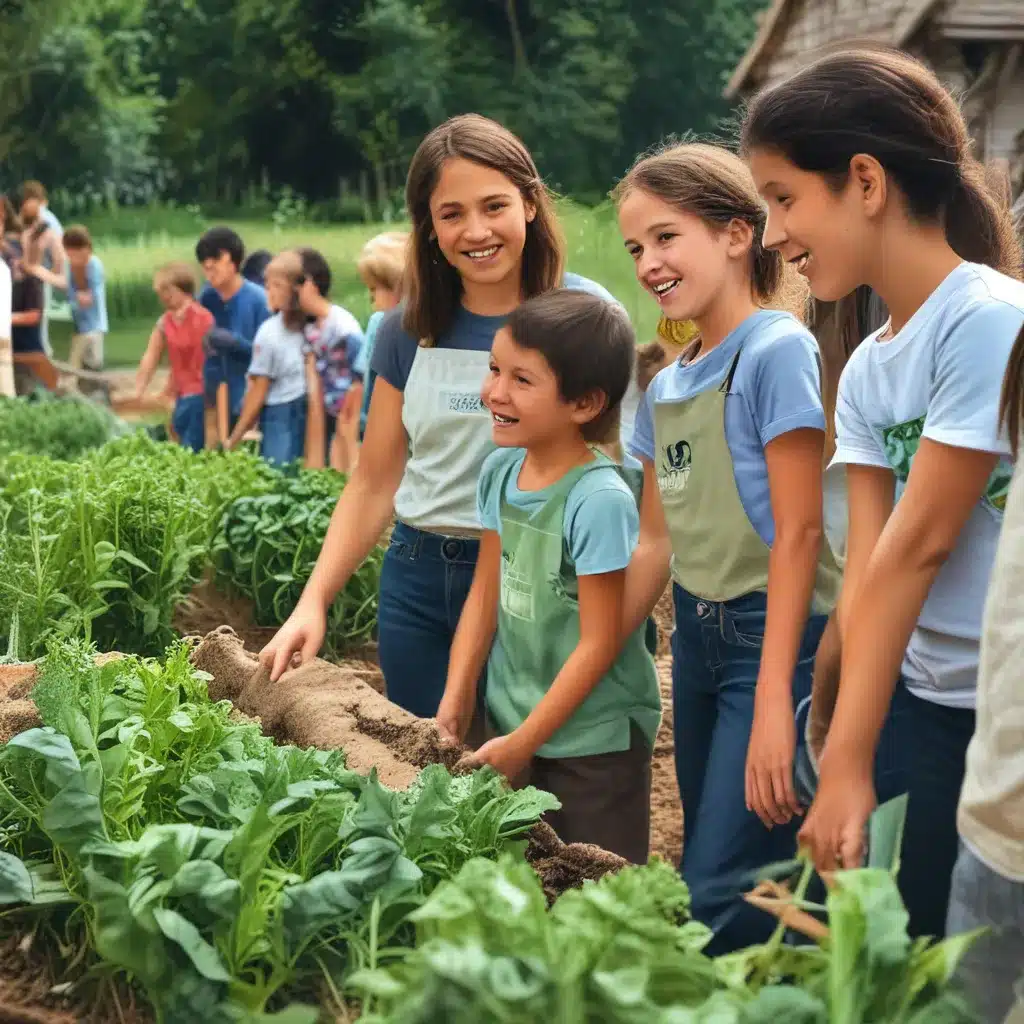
{"x": 975, "y": 46}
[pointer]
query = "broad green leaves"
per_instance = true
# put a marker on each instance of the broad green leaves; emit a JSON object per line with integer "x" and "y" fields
{"x": 216, "y": 869}
{"x": 267, "y": 545}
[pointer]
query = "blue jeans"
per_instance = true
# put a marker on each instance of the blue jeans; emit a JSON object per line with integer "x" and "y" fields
{"x": 934, "y": 748}
{"x": 188, "y": 421}
{"x": 423, "y": 585}
{"x": 284, "y": 431}
{"x": 992, "y": 971}
{"x": 716, "y": 652}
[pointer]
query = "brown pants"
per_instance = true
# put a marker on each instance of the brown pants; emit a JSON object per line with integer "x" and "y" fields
{"x": 606, "y": 798}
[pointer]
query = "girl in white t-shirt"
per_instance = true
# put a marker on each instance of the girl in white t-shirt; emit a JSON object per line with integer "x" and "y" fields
{"x": 865, "y": 162}
{"x": 484, "y": 238}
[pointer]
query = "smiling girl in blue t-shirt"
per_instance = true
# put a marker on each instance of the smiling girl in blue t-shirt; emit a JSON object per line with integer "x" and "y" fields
{"x": 731, "y": 436}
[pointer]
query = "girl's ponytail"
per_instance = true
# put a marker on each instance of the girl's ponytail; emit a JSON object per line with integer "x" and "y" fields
{"x": 978, "y": 222}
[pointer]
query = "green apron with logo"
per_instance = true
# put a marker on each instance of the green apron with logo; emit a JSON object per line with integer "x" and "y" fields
{"x": 716, "y": 552}
{"x": 539, "y": 628}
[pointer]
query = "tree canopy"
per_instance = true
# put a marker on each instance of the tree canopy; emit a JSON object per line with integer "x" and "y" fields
{"x": 200, "y": 100}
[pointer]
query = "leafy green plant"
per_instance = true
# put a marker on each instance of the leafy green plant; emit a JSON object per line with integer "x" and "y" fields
{"x": 622, "y": 951}
{"x": 106, "y": 547}
{"x": 62, "y": 428}
{"x": 151, "y": 833}
{"x": 268, "y": 544}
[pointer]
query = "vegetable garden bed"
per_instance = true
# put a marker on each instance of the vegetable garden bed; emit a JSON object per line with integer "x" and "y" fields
{"x": 319, "y": 705}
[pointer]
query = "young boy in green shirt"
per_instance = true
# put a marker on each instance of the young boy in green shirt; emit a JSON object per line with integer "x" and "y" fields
{"x": 574, "y": 701}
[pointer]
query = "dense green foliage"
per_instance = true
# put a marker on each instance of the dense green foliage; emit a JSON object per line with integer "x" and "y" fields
{"x": 145, "y": 828}
{"x": 106, "y": 547}
{"x": 264, "y": 102}
{"x": 266, "y": 548}
{"x": 622, "y": 951}
{"x": 62, "y": 428}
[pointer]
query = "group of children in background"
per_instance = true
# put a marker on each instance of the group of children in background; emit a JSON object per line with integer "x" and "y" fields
{"x": 264, "y": 338}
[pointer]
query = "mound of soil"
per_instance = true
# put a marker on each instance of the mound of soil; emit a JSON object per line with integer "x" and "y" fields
{"x": 330, "y": 706}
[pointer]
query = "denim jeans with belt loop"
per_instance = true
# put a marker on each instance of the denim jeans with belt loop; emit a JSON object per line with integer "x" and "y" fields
{"x": 716, "y": 660}
{"x": 423, "y": 585}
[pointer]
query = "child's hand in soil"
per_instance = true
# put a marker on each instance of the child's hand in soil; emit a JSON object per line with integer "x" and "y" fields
{"x": 454, "y": 716}
{"x": 303, "y": 632}
{"x": 507, "y": 755}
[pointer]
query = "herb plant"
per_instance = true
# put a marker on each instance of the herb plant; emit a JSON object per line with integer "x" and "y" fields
{"x": 63, "y": 428}
{"x": 106, "y": 547}
{"x": 268, "y": 544}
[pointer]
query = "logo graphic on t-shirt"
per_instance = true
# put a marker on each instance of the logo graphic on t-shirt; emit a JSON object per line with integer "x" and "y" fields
{"x": 674, "y": 470}
{"x": 901, "y": 442}
{"x": 516, "y": 590}
{"x": 462, "y": 401}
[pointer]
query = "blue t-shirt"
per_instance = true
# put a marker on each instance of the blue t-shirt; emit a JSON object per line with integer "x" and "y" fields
{"x": 602, "y": 522}
{"x": 395, "y": 349}
{"x": 89, "y": 318}
{"x": 242, "y": 315}
{"x": 277, "y": 353}
{"x": 362, "y": 367}
{"x": 776, "y": 389}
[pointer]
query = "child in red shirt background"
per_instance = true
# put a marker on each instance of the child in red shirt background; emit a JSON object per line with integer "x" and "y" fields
{"x": 180, "y": 330}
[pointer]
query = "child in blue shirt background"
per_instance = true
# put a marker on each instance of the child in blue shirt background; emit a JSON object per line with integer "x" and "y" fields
{"x": 381, "y": 266}
{"x": 238, "y": 307}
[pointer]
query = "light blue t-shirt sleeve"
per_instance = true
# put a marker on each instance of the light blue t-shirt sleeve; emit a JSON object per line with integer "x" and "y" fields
{"x": 579, "y": 283}
{"x": 602, "y": 524}
{"x": 488, "y": 497}
{"x": 264, "y": 346}
{"x": 362, "y": 361}
{"x": 641, "y": 444}
{"x": 787, "y": 386}
{"x": 96, "y": 280}
{"x": 970, "y": 361}
{"x": 856, "y": 443}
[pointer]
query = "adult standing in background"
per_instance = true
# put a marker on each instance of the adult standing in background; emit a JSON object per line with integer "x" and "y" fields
{"x": 43, "y": 230}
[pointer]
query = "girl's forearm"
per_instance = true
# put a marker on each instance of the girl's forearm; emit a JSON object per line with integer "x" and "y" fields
{"x": 29, "y": 318}
{"x": 252, "y": 406}
{"x": 824, "y": 685}
{"x": 880, "y": 620}
{"x": 647, "y": 576}
{"x": 360, "y": 518}
{"x": 792, "y": 567}
{"x": 583, "y": 670}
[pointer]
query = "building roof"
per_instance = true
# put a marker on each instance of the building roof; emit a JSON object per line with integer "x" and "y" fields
{"x": 775, "y": 21}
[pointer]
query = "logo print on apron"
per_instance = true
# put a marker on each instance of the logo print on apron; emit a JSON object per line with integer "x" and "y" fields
{"x": 675, "y": 468}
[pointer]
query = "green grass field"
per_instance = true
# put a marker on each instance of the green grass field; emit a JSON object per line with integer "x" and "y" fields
{"x": 594, "y": 249}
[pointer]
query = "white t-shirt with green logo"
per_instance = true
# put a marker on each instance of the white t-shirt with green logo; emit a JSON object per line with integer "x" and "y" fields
{"x": 940, "y": 377}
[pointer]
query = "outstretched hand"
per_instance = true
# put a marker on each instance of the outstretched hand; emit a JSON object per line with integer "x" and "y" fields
{"x": 303, "y": 634}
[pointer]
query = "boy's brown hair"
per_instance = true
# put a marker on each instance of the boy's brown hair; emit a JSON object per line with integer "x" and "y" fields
{"x": 177, "y": 275}
{"x": 381, "y": 263}
{"x": 77, "y": 237}
{"x": 589, "y": 344}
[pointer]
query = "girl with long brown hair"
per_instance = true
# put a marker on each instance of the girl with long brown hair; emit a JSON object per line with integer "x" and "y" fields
{"x": 731, "y": 436}
{"x": 865, "y": 162}
{"x": 484, "y": 238}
